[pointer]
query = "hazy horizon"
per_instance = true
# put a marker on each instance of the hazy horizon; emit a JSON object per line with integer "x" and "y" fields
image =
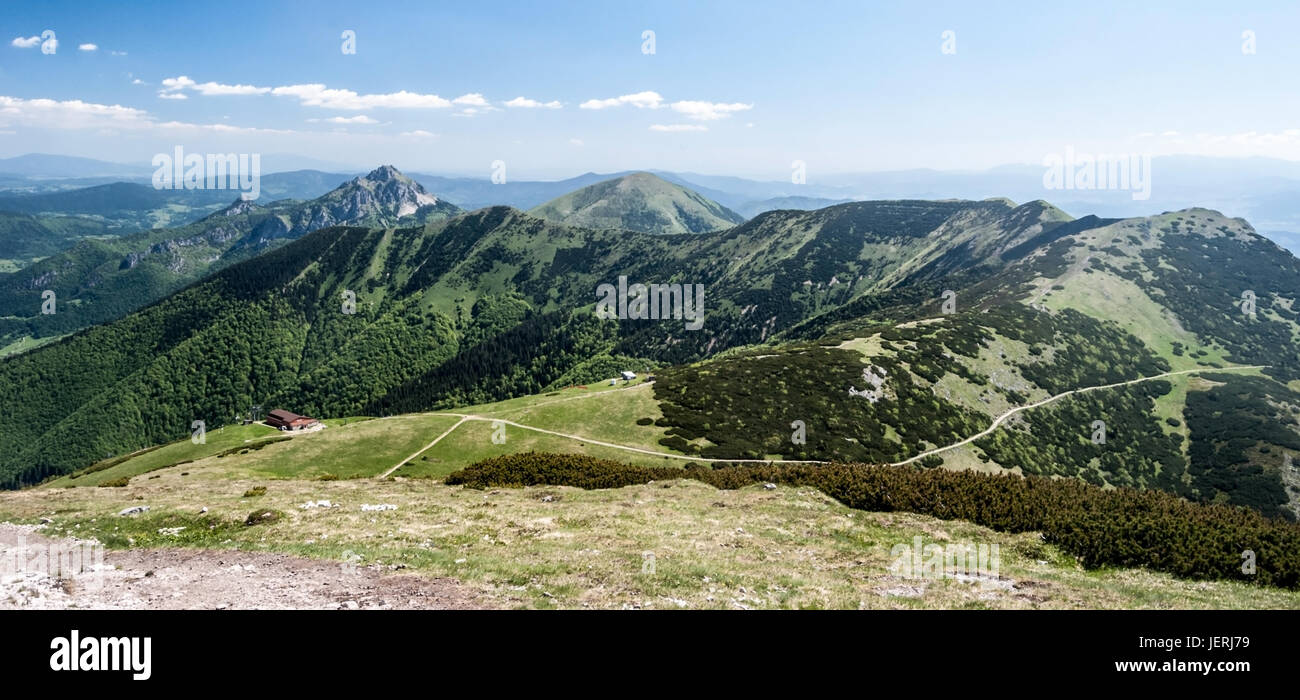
{"x": 723, "y": 89}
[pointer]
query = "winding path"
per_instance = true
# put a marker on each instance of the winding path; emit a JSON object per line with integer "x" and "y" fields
{"x": 997, "y": 422}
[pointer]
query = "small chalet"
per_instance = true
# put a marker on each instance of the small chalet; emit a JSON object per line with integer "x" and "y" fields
{"x": 281, "y": 419}
{"x": 628, "y": 376}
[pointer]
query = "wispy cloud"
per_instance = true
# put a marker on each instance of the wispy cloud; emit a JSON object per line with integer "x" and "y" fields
{"x": 69, "y": 114}
{"x": 678, "y": 127}
{"x": 359, "y": 119}
{"x": 174, "y": 86}
{"x": 88, "y": 47}
{"x": 643, "y": 100}
{"x": 708, "y": 111}
{"x": 526, "y": 103}
{"x": 320, "y": 95}
{"x": 45, "y": 113}
{"x": 26, "y": 42}
{"x": 473, "y": 99}
{"x": 699, "y": 110}
{"x": 418, "y": 134}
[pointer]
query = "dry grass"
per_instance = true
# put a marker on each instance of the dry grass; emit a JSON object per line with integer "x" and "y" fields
{"x": 564, "y": 547}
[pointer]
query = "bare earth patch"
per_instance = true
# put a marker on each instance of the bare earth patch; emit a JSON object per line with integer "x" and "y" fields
{"x": 195, "y": 579}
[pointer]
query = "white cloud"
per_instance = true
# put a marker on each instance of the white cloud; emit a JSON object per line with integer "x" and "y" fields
{"x": 678, "y": 127}
{"x": 173, "y": 96}
{"x": 317, "y": 95}
{"x": 88, "y": 47}
{"x": 75, "y": 114}
{"x": 172, "y": 84}
{"x": 359, "y": 119}
{"x": 648, "y": 99}
{"x": 137, "y": 81}
{"x": 473, "y": 99}
{"x": 69, "y": 114}
{"x": 209, "y": 89}
{"x": 26, "y": 43}
{"x": 116, "y": 53}
{"x": 525, "y": 102}
{"x": 418, "y": 134}
{"x": 708, "y": 111}
{"x": 221, "y": 128}
{"x": 576, "y": 142}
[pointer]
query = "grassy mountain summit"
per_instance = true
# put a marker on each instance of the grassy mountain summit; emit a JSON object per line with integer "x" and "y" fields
{"x": 639, "y": 202}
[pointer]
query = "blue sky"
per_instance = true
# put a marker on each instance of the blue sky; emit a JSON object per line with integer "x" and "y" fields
{"x": 740, "y": 88}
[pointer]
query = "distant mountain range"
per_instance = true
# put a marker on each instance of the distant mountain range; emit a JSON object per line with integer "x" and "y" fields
{"x": 99, "y": 280}
{"x": 1264, "y": 191}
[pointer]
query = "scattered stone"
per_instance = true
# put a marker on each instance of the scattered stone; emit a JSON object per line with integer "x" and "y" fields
{"x": 133, "y": 510}
{"x": 378, "y": 506}
{"x": 769, "y": 487}
{"x": 317, "y": 504}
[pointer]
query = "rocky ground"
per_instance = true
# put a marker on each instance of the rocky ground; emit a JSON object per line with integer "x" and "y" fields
{"x": 194, "y": 579}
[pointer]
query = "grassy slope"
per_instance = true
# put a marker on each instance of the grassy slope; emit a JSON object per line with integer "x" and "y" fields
{"x": 562, "y": 547}
{"x": 366, "y": 448}
{"x": 786, "y": 548}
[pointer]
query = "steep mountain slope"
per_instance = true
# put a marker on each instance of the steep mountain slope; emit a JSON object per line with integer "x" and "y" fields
{"x": 482, "y": 306}
{"x": 99, "y": 280}
{"x": 639, "y": 202}
{"x": 1092, "y": 304}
